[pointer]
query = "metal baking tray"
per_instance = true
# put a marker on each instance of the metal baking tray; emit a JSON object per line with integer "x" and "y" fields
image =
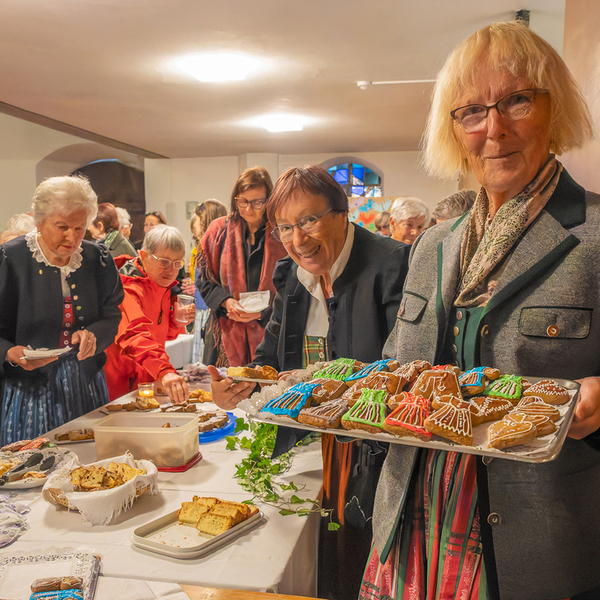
{"x": 539, "y": 450}
{"x": 167, "y": 536}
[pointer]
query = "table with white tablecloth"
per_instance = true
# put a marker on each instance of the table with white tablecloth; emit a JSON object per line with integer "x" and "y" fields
{"x": 280, "y": 555}
{"x": 179, "y": 350}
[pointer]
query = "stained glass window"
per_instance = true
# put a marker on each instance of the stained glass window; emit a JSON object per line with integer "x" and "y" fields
{"x": 357, "y": 180}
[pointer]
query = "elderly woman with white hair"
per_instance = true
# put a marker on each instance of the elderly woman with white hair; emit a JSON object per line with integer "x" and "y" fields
{"x": 149, "y": 318}
{"x": 58, "y": 292}
{"x": 408, "y": 219}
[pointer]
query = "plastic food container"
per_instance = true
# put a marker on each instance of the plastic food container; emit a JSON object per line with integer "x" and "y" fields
{"x": 145, "y": 437}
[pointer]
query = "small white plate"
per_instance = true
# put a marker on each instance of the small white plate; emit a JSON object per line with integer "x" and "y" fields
{"x": 26, "y": 484}
{"x": 45, "y": 353}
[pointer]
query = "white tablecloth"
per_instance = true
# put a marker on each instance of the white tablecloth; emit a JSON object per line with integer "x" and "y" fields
{"x": 278, "y": 556}
{"x": 179, "y": 350}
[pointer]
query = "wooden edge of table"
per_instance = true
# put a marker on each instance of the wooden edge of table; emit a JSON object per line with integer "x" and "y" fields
{"x": 204, "y": 593}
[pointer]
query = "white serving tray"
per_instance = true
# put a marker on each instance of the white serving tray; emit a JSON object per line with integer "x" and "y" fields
{"x": 539, "y": 450}
{"x": 26, "y": 484}
{"x": 18, "y": 570}
{"x": 167, "y": 536}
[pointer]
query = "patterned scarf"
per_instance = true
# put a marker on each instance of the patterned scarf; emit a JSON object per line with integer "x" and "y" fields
{"x": 224, "y": 263}
{"x": 486, "y": 244}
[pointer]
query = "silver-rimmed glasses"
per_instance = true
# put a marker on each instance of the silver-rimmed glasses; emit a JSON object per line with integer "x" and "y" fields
{"x": 165, "y": 263}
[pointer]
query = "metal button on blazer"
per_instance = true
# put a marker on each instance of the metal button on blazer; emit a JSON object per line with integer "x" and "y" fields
{"x": 485, "y": 330}
{"x": 553, "y": 330}
{"x": 494, "y": 519}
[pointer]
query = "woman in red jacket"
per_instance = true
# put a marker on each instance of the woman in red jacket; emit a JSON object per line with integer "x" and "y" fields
{"x": 148, "y": 318}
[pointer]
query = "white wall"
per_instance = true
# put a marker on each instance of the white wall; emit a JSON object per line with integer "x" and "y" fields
{"x": 170, "y": 183}
{"x": 29, "y": 153}
{"x": 401, "y": 173}
{"x": 23, "y": 145}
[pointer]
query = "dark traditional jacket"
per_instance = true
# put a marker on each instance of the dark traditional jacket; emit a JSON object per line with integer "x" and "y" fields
{"x": 362, "y": 311}
{"x": 121, "y": 245}
{"x": 540, "y": 522}
{"x": 31, "y": 302}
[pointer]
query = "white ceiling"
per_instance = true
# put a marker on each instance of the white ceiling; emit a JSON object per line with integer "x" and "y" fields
{"x": 103, "y": 66}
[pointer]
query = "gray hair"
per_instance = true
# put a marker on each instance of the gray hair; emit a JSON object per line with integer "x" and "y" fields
{"x": 454, "y": 206}
{"x": 64, "y": 195}
{"x": 20, "y": 224}
{"x": 124, "y": 218}
{"x": 163, "y": 236}
{"x": 409, "y": 208}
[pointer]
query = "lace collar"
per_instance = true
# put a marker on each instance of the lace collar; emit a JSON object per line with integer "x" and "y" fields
{"x": 34, "y": 245}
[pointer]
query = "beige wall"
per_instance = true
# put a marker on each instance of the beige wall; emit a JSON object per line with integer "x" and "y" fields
{"x": 582, "y": 55}
{"x": 23, "y": 146}
{"x": 29, "y": 153}
{"x": 171, "y": 183}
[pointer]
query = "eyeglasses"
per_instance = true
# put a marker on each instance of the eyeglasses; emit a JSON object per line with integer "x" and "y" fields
{"x": 308, "y": 224}
{"x": 515, "y": 106}
{"x": 165, "y": 263}
{"x": 256, "y": 204}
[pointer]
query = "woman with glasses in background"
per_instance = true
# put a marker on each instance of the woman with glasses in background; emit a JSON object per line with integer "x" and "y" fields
{"x": 338, "y": 295}
{"x": 149, "y": 318}
{"x": 151, "y": 219}
{"x": 238, "y": 255}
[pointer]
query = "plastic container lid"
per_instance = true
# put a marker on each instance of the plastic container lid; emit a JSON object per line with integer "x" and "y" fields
{"x": 214, "y": 435}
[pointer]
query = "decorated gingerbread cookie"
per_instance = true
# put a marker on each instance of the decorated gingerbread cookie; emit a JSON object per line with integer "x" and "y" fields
{"x": 473, "y": 382}
{"x": 543, "y": 425}
{"x": 327, "y": 389}
{"x": 327, "y": 415}
{"x": 340, "y": 369}
{"x": 409, "y": 417}
{"x": 549, "y": 391}
{"x": 436, "y": 382}
{"x": 292, "y": 402}
{"x": 509, "y": 387}
{"x": 534, "y": 405}
{"x": 386, "y": 364}
{"x": 452, "y": 421}
{"x": 507, "y": 433}
{"x": 484, "y": 409}
{"x": 368, "y": 413}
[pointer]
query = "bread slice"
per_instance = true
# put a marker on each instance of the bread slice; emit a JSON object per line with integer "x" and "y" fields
{"x": 93, "y": 478}
{"x": 210, "y": 502}
{"x": 190, "y": 512}
{"x": 243, "y": 508}
{"x": 214, "y": 524}
{"x": 229, "y": 510}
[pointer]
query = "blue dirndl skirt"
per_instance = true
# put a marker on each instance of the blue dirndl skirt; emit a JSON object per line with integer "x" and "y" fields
{"x": 33, "y": 406}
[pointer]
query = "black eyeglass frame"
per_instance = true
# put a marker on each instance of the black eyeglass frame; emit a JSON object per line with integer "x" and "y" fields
{"x": 257, "y": 204}
{"x": 487, "y": 108}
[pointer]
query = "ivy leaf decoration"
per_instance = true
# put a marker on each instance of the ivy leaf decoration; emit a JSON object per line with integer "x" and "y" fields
{"x": 256, "y": 472}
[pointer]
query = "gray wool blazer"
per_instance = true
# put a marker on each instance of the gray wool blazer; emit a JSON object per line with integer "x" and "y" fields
{"x": 545, "y": 528}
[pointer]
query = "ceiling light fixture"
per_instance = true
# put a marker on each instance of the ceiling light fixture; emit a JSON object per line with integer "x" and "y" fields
{"x": 280, "y": 122}
{"x": 363, "y": 85}
{"x": 219, "y": 66}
